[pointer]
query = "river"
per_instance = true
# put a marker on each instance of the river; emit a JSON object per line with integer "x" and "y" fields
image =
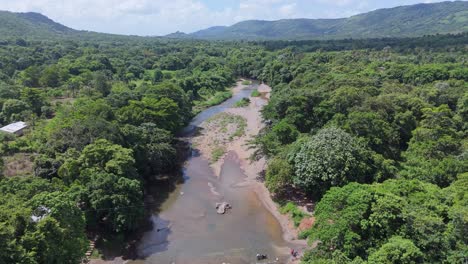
{"x": 186, "y": 227}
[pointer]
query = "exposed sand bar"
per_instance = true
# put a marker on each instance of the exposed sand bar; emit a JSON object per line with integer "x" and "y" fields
{"x": 239, "y": 145}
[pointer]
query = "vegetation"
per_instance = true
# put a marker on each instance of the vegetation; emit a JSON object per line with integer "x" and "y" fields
{"x": 102, "y": 119}
{"x": 296, "y": 214}
{"x": 373, "y": 131}
{"x": 377, "y": 139}
{"x": 229, "y": 124}
{"x": 242, "y": 102}
{"x": 246, "y": 82}
{"x": 215, "y": 99}
{"x": 255, "y": 93}
{"x": 217, "y": 153}
{"x": 403, "y": 21}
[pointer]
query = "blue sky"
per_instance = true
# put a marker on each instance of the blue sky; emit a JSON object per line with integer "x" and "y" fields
{"x": 159, "y": 17}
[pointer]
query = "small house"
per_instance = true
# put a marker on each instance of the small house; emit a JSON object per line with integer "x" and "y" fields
{"x": 16, "y": 128}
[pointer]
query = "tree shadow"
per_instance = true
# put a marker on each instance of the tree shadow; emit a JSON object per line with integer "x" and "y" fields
{"x": 296, "y": 196}
{"x": 157, "y": 189}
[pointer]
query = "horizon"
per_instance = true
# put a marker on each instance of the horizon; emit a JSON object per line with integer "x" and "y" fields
{"x": 159, "y": 18}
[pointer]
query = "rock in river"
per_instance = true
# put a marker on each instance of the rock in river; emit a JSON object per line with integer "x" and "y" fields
{"x": 221, "y": 208}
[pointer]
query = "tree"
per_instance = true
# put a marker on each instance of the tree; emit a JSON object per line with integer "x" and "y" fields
{"x": 173, "y": 92}
{"x": 58, "y": 236}
{"x": 434, "y": 151}
{"x": 359, "y": 220}
{"x": 117, "y": 201}
{"x": 101, "y": 83}
{"x": 339, "y": 215}
{"x": 46, "y": 167}
{"x": 74, "y": 84}
{"x": 152, "y": 146}
{"x": 13, "y": 110}
{"x": 50, "y": 77}
{"x": 457, "y": 233}
{"x": 79, "y": 133}
{"x": 377, "y": 132}
{"x": 35, "y": 98}
{"x": 285, "y": 132}
{"x": 30, "y": 77}
{"x": 104, "y": 156}
{"x": 163, "y": 112}
{"x": 462, "y": 110}
{"x": 332, "y": 157}
{"x": 397, "y": 251}
{"x": 157, "y": 76}
{"x": 279, "y": 175}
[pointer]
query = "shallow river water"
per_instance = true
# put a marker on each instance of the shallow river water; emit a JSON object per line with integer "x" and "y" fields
{"x": 187, "y": 229}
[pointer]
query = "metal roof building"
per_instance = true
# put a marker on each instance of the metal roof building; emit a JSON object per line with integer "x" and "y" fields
{"x": 15, "y": 128}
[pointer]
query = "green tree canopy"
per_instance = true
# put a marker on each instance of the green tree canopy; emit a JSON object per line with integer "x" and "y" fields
{"x": 397, "y": 251}
{"x": 332, "y": 157}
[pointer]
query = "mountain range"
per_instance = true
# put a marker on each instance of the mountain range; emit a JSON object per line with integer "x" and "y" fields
{"x": 402, "y": 21}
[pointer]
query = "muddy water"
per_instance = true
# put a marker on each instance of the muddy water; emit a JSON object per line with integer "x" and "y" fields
{"x": 187, "y": 229}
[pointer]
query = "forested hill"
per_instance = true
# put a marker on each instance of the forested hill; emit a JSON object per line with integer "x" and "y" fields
{"x": 30, "y": 24}
{"x": 36, "y": 26}
{"x": 403, "y": 21}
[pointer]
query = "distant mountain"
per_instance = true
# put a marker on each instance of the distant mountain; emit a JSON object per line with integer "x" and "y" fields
{"x": 178, "y": 35}
{"x": 403, "y": 21}
{"x": 37, "y": 26}
{"x": 30, "y": 25}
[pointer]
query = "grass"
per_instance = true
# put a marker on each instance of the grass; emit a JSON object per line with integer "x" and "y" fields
{"x": 224, "y": 119}
{"x": 242, "y": 102}
{"x": 246, "y": 82}
{"x": 20, "y": 164}
{"x": 217, "y": 153}
{"x": 240, "y": 131}
{"x": 255, "y": 93}
{"x": 227, "y": 127}
{"x": 305, "y": 234}
{"x": 96, "y": 254}
{"x": 216, "y": 99}
{"x": 296, "y": 214}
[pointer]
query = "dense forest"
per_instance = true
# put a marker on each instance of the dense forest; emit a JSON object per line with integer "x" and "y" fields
{"x": 102, "y": 119}
{"x": 378, "y": 139}
{"x": 376, "y": 136}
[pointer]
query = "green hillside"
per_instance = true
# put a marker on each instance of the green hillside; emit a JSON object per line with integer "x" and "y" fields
{"x": 403, "y": 21}
{"x": 30, "y": 25}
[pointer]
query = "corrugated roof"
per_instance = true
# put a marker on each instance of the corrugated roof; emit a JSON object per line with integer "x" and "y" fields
{"x": 14, "y": 127}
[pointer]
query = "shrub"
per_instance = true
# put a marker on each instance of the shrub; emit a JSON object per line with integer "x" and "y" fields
{"x": 255, "y": 93}
{"x": 296, "y": 214}
{"x": 242, "y": 103}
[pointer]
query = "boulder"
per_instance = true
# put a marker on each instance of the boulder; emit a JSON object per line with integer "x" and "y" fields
{"x": 221, "y": 208}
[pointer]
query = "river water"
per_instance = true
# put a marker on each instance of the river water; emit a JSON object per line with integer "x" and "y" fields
{"x": 186, "y": 227}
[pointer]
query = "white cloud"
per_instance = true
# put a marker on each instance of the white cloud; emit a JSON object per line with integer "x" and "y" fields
{"x": 124, "y": 16}
{"x": 288, "y": 10}
{"x": 157, "y": 17}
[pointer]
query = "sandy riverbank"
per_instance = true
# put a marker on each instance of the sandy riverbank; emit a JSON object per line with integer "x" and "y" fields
{"x": 252, "y": 169}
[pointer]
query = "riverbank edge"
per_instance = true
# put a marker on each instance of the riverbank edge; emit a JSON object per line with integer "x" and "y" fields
{"x": 251, "y": 169}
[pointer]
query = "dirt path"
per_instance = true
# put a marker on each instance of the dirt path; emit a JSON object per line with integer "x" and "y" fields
{"x": 252, "y": 116}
